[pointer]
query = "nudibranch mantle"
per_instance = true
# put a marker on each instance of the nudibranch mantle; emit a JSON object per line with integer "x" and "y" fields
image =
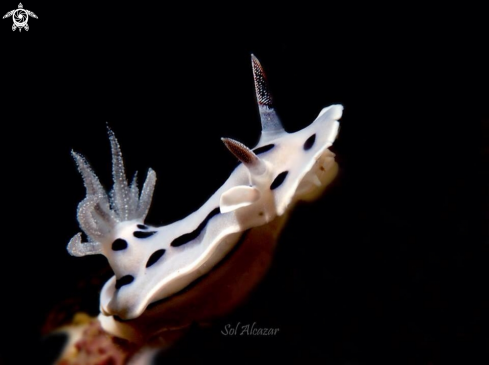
{"x": 153, "y": 263}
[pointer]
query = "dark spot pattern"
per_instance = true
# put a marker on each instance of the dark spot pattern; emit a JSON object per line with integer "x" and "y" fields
{"x": 200, "y": 278}
{"x": 263, "y": 149}
{"x": 187, "y": 237}
{"x": 155, "y": 256}
{"x": 125, "y": 280}
{"x": 141, "y": 234}
{"x": 309, "y": 142}
{"x": 142, "y": 226}
{"x": 119, "y": 244}
{"x": 278, "y": 180}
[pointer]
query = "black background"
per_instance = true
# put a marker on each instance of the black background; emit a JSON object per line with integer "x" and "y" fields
{"x": 390, "y": 266}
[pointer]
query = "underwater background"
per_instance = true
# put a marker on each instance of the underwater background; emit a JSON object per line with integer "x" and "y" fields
{"x": 389, "y": 266}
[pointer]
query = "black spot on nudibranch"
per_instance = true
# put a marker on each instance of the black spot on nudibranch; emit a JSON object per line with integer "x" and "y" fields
{"x": 142, "y": 226}
{"x": 119, "y": 244}
{"x": 278, "y": 180}
{"x": 140, "y": 234}
{"x": 186, "y": 238}
{"x": 309, "y": 142}
{"x": 155, "y": 256}
{"x": 200, "y": 278}
{"x": 125, "y": 280}
{"x": 263, "y": 149}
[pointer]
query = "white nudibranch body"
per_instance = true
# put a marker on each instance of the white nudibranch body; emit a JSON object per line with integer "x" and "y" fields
{"x": 151, "y": 264}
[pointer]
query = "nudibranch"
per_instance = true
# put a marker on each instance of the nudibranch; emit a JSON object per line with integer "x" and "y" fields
{"x": 153, "y": 266}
